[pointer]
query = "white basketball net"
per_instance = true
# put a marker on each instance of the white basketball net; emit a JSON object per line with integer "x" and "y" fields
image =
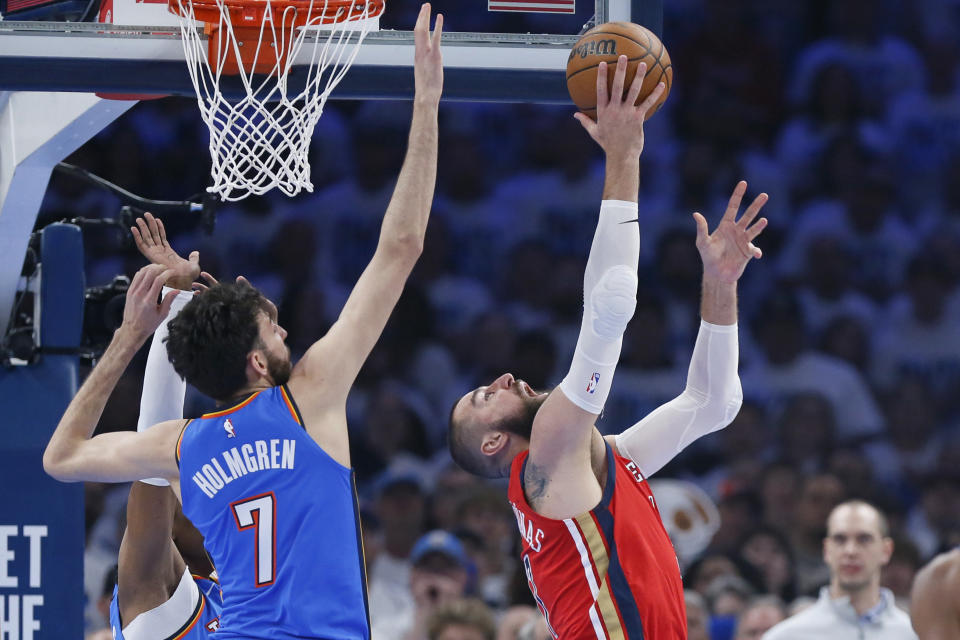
{"x": 262, "y": 140}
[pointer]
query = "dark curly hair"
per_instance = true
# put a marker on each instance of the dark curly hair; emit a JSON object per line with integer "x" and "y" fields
{"x": 208, "y": 341}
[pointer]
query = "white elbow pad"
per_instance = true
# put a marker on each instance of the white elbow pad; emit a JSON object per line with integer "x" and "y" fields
{"x": 734, "y": 400}
{"x": 613, "y": 301}
{"x": 610, "y": 307}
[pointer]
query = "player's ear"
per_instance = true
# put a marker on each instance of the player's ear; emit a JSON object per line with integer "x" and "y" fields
{"x": 257, "y": 363}
{"x": 493, "y": 442}
{"x": 887, "y": 549}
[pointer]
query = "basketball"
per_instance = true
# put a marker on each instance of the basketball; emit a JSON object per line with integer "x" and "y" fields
{"x": 605, "y": 43}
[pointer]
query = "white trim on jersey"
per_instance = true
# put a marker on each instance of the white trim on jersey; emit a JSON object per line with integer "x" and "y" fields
{"x": 591, "y": 579}
{"x": 168, "y": 618}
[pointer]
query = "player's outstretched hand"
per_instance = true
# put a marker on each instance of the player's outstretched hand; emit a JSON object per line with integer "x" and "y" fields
{"x": 427, "y": 59}
{"x": 726, "y": 251}
{"x": 619, "y": 126}
{"x": 141, "y": 313}
{"x": 151, "y": 239}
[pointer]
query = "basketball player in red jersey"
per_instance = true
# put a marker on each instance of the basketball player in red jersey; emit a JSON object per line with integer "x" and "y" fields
{"x": 935, "y": 599}
{"x": 597, "y": 558}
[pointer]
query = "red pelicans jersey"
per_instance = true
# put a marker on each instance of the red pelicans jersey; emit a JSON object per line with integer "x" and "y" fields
{"x": 608, "y": 573}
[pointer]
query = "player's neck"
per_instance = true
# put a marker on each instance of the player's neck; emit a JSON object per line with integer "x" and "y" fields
{"x": 245, "y": 392}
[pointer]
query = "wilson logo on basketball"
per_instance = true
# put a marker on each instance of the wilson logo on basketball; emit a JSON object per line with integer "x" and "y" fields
{"x": 594, "y": 47}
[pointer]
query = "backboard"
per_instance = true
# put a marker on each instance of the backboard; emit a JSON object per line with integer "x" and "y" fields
{"x": 502, "y": 55}
{"x": 50, "y": 70}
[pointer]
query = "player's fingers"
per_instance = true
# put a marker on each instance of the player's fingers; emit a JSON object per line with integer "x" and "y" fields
{"x": 136, "y": 280}
{"x": 145, "y": 232}
{"x": 163, "y": 232}
{"x": 733, "y": 205}
{"x": 755, "y": 251}
{"x": 616, "y": 91}
{"x": 437, "y": 31}
{"x": 156, "y": 284}
{"x": 154, "y": 228}
{"x": 702, "y": 229}
{"x": 421, "y": 28}
{"x": 652, "y": 99}
{"x": 637, "y": 84}
{"x": 602, "y": 96}
{"x": 756, "y": 229}
{"x": 587, "y": 123}
{"x": 143, "y": 280}
{"x": 753, "y": 210}
{"x": 137, "y": 238}
{"x": 194, "y": 258}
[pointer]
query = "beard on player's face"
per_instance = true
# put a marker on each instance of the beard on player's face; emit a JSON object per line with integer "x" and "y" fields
{"x": 279, "y": 367}
{"x": 520, "y": 421}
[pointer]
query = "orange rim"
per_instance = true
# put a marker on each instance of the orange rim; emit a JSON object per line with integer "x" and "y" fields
{"x": 251, "y": 12}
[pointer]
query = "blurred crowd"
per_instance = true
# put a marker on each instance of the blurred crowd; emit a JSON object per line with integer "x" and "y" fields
{"x": 847, "y": 112}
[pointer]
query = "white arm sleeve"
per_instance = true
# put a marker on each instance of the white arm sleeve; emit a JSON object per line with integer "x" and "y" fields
{"x": 163, "y": 388}
{"x": 609, "y": 300}
{"x": 615, "y": 242}
{"x": 710, "y": 401}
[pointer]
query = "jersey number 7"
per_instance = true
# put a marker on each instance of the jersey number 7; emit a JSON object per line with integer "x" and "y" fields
{"x": 259, "y": 513}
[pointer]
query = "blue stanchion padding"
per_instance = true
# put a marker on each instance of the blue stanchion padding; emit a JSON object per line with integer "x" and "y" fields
{"x": 42, "y": 522}
{"x": 63, "y": 284}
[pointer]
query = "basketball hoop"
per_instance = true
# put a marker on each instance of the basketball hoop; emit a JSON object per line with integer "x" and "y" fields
{"x": 262, "y": 140}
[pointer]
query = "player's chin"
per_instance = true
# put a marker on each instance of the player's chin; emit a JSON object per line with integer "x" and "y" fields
{"x": 537, "y": 399}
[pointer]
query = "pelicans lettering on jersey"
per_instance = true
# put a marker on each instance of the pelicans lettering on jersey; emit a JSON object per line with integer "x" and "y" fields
{"x": 608, "y": 573}
{"x": 280, "y": 521}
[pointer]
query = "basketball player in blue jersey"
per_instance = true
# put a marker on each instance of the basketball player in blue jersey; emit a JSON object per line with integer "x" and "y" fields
{"x": 267, "y": 478}
{"x": 164, "y": 589}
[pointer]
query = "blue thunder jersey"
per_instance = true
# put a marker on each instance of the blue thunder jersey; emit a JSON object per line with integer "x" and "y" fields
{"x": 198, "y": 625}
{"x": 280, "y": 521}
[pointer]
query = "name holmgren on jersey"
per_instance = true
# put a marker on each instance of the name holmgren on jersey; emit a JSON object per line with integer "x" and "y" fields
{"x": 260, "y": 455}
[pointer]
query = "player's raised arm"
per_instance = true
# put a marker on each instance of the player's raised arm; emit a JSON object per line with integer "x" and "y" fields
{"x": 149, "y": 566}
{"x": 712, "y": 396}
{"x": 337, "y": 357}
{"x": 72, "y": 455}
{"x": 163, "y": 388}
{"x": 563, "y": 427}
